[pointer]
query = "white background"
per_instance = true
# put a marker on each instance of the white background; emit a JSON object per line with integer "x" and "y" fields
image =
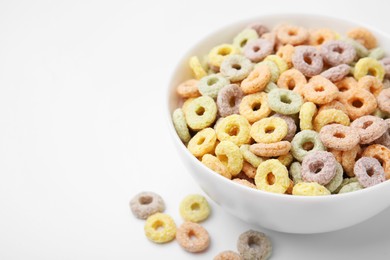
{"x": 82, "y": 128}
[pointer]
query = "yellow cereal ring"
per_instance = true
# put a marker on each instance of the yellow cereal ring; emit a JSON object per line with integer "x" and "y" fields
{"x": 330, "y": 116}
{"x": 369, "y": 66}
{"x": 282, "y": 65}
{"x": 254, "y": 107}
{"x": 269, "y": 130}
{"x": 334, "y": 104}
{"x": 286, "y": 52}
{"x": 197, "y": 68}
{"x": 309, "y": 189}
{"x": 219, "y": 53}
{"x": 286, "y": 159}
{"x": 306, "y": 115}
{"x": 234, "y": 128}
{"x": 200, "y": 113}
{"x": 216, "y": 165}
{"x": 194, "y": 208}
{"x": 230, "y": 155}
{"x": 272, "y": 176}
{"x": 160, "y": 228}
{"x": 244, "y": 37}
{"x": 203, "y": 142}
{"x": 180, "y": 125}
{"x": 250, "y": 157}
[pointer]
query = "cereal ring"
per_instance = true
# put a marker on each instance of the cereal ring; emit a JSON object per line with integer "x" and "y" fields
{"x": 216, "y": 165}
{"x": 188, "y": 89}
{"x": 336, "y": 73}
{"x": 339, "y": 137}
{"x": 308, "y": 60}
{"x": 386, "y": 65}
{"x": 306, "y": 115}
{"x": 236, "y": 67}
{"x": 234, "y": 128}
{"x": 371, "y": 84}
{"x": 337, "y": 154}
{"x": 244, "y": 37}
{"x": 337, "y": 52}
{"x": 290, "y": 34}
{"x": 320, "y": 36}
{"x": 197, "y": 68}
{"x": 229, "y": 99}
{"x": 254, "y": 245}
{"x": 309, "y": 189}
{"x": 353, "y": 186}
{"x": 192, "y": 237}
{"x": 382, "y": 154}
{"x": 282, "y": 65}
{"x": 145, "y": 204}
{"x": 230, "y": 155}
{"x": 385, "y": 138}
{"x": 270, "y": 86}
{"x": 256, "y": 50}
{"x": 304, "y": 142}
{"x": 194, "y": 208}
{"x": 348, "y": 159}
{"x": 358, "y": 102}
{"x": 243, "y": 176}
{"x": 259, "y": 28}
{"x": 160, "y": 228}
{"x": 249, "y": 156}
{"x": 361, "y": 51}
{"x": 286, "y": 159}
{"x": 210, "y": 85}
{"x": 245, "y": 183}
{"x": 377, "y": 53}
{"x": 180, "y": 124}
{"x": 228, "y": 255}
{"x": 384, "y": 100}
{"x": 270, "y": 150}
{"x": 337, "y": 179}
{"x": 369, "y": 66}
{"x": 319, "y": 166}
{"x": 363, "y": 36}
{"x": 284, "y": 101}
{"x": 286, "y": 52}
{"x": 320, "y": 90}
{"x": 203, "y": 142}
{"x": 292, "y": 79}
{"x": 254, "y": 107}
{"x": 269, "y": 130}
{"x": 346, "y": 84}
{"x": 295, "y": 172}
{"x": 219, "y": 53}
{"x": 273, "y": 68}
{"x": 291, "y": 126}
{"x": 369, "y": 128}
{"x": 345, "y": 182}
{"x": 257, "y": 80}
{"x": 330, "y": 116}
{"x": 335, "y": 105}
{"x": 369, "y": 172}
{"x": 200, "y": 112}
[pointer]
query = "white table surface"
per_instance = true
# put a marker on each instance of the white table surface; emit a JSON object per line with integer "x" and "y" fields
{"x": 82, "y": 128}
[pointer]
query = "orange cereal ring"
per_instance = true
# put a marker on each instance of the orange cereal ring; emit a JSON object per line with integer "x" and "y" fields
{"x": 339, "y": 137}
{"x": 292, "y": 79}
{"x": 245, "y": 183}
{"x": 320, "y": 90}
{"x": 271, "y": 150}
{"x": 286, "y": 52}
{"x": 188, "y": 89}
{"x": 216, "y": 165}
{"x": 254, "y": 107}
{"x": 382, "y": 154}
{"x": 371, "y": 83}
{"x": 348, "y": 159}
{"x": 256, "y": 80}
{"x": 319, "y": 36}
{"x": 337, "y": 154}
{"x": 346, "y": 84}
{"x": 358, "y": 102}
{"x": 249, "y": 170}
{"x": 330, "y": 116}
{"x": 230, "y": 155}
{"x": 290, "y": 34}
{"x": 363, "y": 36}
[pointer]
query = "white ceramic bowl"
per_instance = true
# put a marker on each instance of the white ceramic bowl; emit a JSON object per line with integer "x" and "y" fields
{"x": 284, "y": 213}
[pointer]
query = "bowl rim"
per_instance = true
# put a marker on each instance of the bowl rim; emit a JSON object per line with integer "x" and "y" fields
{"x": 240, "y": 187}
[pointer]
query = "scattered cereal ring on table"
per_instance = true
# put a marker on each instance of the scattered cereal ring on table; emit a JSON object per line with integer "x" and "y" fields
{"x": 188, "y": 89}
{"x": 269, "y": 130}
{"x": 194, "y": 208}
{"x": 236, "y": 67}
{"x": 369, "y": 172}
{"x": 254, "y": 107}
{"x": 257, "y": 80}
{"x": 369, "y": 66}
{"x": 228, "y": 255}
{"x": 219, "y": 53}
{"x": 339, "y": 137}
{"x": 304, "y": 142}
{"x": 309, "y": 189}
{"x": 180, "y": 124}
{"x": 146, "y": 203}
{"x": 337, "y": 52}
{"x": 192, "y": 237}
{"x": 197, "y": 68}
{"x": 284, "y": 101}
{"x": 160, "y": 228}
{"x": 210, "y": 85}
{"x": 272, "y": 149}
{"x": 203, "y": 142}
{"x": 254, "y": 245}
{"x": 363, "y": 36}
{"x": 320, "y": 90}
{"x": 216, "y": 165}
{"x": 272, "y": 176}
{"x": 230, "y": 155}
{"x": 229, "y": 99}
{"x": 369, "y": 128}
{"x": 234, "y": 128}
{"x": 308, "y": 60}
{"x": 318, "y": 166}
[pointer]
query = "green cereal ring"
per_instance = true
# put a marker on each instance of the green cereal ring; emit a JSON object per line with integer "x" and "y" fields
{"x": 353, "y": 186}
{"x": 273, "y": 68}
{"x": 369, "y": 66}
{"x": 377, "y": 53}
{"x": 234, "y": 128}
{"x": 270, "y": 86}
{"x": 244, "y": 37}
{"x": 284, "y": 101}
{"x": 305, "y": 138}
{"x": 282, "y": 64}
{"x": 345, "y": 182}
{"x": 194, "y": 208}
{"x": 200, "y": 113}
{"x": 236, "y": 67}
{"x": 337, "y": 179}
{"x": 219, "y": 53}
{"x": 361, "y": 51}
{"x": 203, "y": 142}
{"x": 295, "y": 172}
{"x": 210, "y": 85}
{"x": 250, "y": 157}
{"x": 179, "y": 121}
{"x": 230, "y": 155}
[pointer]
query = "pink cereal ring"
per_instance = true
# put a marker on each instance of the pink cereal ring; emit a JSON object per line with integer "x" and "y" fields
{"x": 369, "y": 128}
{"x": 383, "y": 100}
{"x": 339, "y": 137}
{"x": 386, "y": 64}
{"x": 308, "y": 60}
{"x": 270, "y": 150}
{"x": 369, "y": 172}
{"x": 336, "y": 73}
{"x": 229, "y": 99}
{"x": 291, "y": 126}
{"x": 259, "y": 28}
{"x": 385, "y": 138}
{"x": 318, "y": 166}
{"x": 337, "y": 52}
{"x": 256, "y": 50}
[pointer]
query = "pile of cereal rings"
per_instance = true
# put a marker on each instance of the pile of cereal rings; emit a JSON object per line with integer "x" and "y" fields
{"x": 290, "y": 110}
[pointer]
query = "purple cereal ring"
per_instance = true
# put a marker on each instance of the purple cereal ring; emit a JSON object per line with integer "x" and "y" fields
{"x": 259, "y": 28}
{"x": 337, "y": 52}
{"x": 318, "y": 166}
{"x": 386, "y": 64}
{"x": 256, "y": 50}
{"x": 336, "y": 73}
{"x": 369, "y": 171}
{"x": 291, "y": 126}
{"x": 383, "y": 100}
{"x": 339, "y": 137}
{"x": 308, "y": 60}
{"x": 369, "y": 128}
{"x": 229, "y": 99}
{"x": 385, "y": 138}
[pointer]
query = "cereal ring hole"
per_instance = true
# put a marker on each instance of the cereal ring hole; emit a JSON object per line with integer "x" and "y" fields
{"x": 269, "y": 129}
{"x": 236, "y": 66}
{"x": 254, "y": 242}
{"x": 285, "y": 99}
{"x": 195, "y": 206}
{"x": 224, "y": 51}
{"x": 223, "y": 158}
{"x": 256, "y": 106}
{"x": 370, "y": 171}
{"x": 307, "y": 59}
{"x": 367, "y": 124}
{"x": 243, "y": 42}
{"x": 291, "y": 84}
{"x": 212, "y": 81}
{"x": 372, "y": 72}
{"x": 145, "y": 200}
{"x": 201, "y": 140}
{"x": 339, "y": 135}
{"x": 270, "y": 178}
{"x": 319, "y": 88}
{"x": 316, "y": 167}
{"x": 256, "y": 48}
{"x": 343, "y": 88}
{"x": 233, "y": 130}
{"x": 200, "y": 111}
{"x": 158, "y": 225}
{"x": 338, "y": 49}
{"x": 320, "y": 40}
{"x": 191, "y": 235}
{"x": 232, "y": 102}
{"x": 357, "y": 103}
{"x": 308, "y": 146}
{"x": 292, "y": 32}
